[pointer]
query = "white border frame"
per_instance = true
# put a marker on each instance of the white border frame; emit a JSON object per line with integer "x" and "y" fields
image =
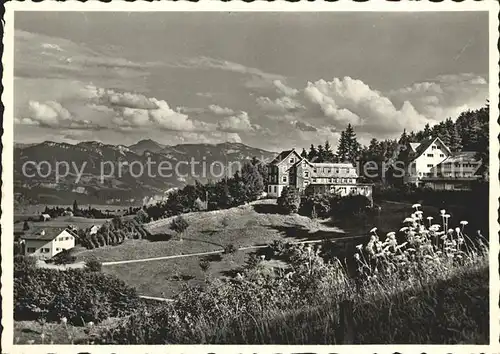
{"x": 7, "y": 340}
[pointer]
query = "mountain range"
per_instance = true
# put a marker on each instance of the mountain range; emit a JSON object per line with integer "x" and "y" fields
{"x": 94, "y": 172}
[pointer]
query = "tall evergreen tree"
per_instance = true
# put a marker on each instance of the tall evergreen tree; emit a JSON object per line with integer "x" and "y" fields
{"x": 329, "y": 156}
{"x": 321, "y": 154}
{"x": 303, "y": 153}
{"x": 349, "y": 149}
{"x": 313, "y": 154}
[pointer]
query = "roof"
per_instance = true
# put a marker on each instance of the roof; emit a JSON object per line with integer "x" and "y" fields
{"x": 414, "y": 146}
{"x": 281, "y": 156}
{"x": 45, "y": 233}
{"x": 424, "y": 145}
{"x": 462, "y": 156}
{"x": 332, "y": 164}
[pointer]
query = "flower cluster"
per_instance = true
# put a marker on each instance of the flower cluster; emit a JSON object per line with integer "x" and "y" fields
{"x": 420, "y": 245}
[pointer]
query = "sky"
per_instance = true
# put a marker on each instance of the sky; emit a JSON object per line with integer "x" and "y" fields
{"x": 269, "y": 80}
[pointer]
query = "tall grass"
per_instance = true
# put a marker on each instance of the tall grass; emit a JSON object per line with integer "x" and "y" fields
{"x": 426, "y": 283}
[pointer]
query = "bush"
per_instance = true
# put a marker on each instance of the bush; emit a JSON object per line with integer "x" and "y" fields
{"x": 76, "y": 294}
{"x": 93, "y": 265}
{"x": 289, "y": 200}
{"x": 179, "y": 225}
{"x": 24, "y": 263}
{"x": 64, "y": 257}
{"x": 230, "y": 249}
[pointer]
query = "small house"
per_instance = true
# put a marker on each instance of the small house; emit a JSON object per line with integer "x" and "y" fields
{"x": 46, "y": 242}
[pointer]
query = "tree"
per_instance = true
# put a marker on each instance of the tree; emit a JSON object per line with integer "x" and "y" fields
{"x": 26, "y": 226}
{"x": 252, "y": 182}
{"x": 289, "y": 200}
{"x": 349, "y": 148}
{"x": 321, "y": 154}
{"x": 179, "y": 225}
{"x": 329, "y": 155}
{"x": 75, "y": 207}
{"x": 303, "y": 153}
{"x": 313, "y": 153}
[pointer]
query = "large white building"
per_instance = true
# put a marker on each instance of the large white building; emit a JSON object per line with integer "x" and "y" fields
{"x": 290, "y": 169}
{"x": 432, "y": 164}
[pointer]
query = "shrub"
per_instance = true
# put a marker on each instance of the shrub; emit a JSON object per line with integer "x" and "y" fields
{"x": 93, "y": 265}
{"x": 79, "y": 295}
{"x": 289, "y": 200}
{"x": 24, "y": 263}
{"x": 64, "y": 257}
{"x": 179, "y": 225}
{"x": 204, "y": 265}
{"x": 230, "y": 249}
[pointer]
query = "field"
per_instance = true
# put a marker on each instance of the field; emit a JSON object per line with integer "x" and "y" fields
{"x": 245, "y": 226}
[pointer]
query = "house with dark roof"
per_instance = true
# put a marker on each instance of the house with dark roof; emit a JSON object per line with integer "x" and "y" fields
{"x": 290, "y": 169}
{"x": 46, "y": 242}
{"x": 432, "y": 164}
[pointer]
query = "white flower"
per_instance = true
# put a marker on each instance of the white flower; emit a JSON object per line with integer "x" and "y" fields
{"x": 64, "y": 320}
{"x": 442, "y": 211}
{"x": 262, "y": 257}
{"x": 356, "y": 256}
{"x": 416, "y": 206}
{"x": 409, "y": 220}
{"x": 430, "y": 218}
{"x": 457, "y": 230}
{"x": 90, "y": 324}
{"x": 360, "y": 246}
{"x": 446, "y": 216}
{"x": 403, "y": 229}
{"x": 464, "y": 222}
{"x": 373, "y": 230}
{"x": 390, "y": 234}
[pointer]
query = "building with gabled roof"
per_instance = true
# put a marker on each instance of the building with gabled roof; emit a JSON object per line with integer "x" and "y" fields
{"x": 432, "y": 164}
{"x": 45, "y": 242}
{"x": 290, "y": 169}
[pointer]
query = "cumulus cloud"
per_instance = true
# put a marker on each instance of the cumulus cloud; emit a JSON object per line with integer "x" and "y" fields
{"x": 52, "y": 114}
{"x": 236, "y": 123}
{"x": 218, "y": 110}
{"x": 284, "y": 89}
{"x": 352, "y": 101}
{"x": 282, "y": 104}
{"x": 133, "y": 110}
{"x": 445, "y": 96}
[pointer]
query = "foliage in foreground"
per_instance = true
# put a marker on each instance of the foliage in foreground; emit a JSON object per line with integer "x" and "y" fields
{"x": 417, "y": 283}
{"x": 77, "y": 295}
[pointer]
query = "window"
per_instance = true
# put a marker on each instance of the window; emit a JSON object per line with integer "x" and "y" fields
{"x": 315, "y": 179}
{"x": 31, "y": 250}
{"x": 315, "y": 170}
{"x": 329, "y": 180}
{"x": 434, "y": 147}
{"x": 441, "y": 155}
{"x": 346, "y": 170}
{"x": 45, "y": 250}
{"x": 430, "y": 155}
{"x": 275, "y": 189}
{"x": 284, "y": 178}
{"x": 292, "y": 160}
{"x": 337, "y": 170}
{"x": 270, "y": 189}
{"x": 306, "y": 173}
{"x": 57, "y": 249}
{"x": 429, "y": 165}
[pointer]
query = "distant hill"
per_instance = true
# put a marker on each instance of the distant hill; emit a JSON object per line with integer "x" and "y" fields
{"x": 126, "y": 184}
